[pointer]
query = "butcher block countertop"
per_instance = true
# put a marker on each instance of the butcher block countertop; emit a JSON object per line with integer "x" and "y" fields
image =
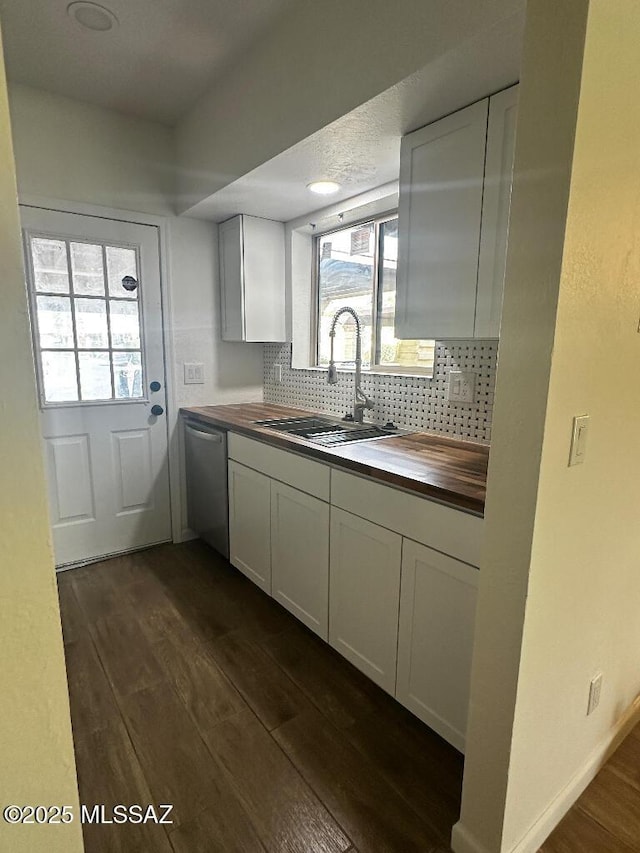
{"x": 454, "y": 472}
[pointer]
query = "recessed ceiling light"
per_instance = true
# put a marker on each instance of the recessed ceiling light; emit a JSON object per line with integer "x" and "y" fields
{"x": 323, "y": 187}
{"x": 92, "y": 16}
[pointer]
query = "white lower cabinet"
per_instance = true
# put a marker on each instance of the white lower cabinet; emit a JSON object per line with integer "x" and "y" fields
{"x": 250, "y": 524}
{"x": 435, "y": 642}
{"x": 364, "y": 595}
{"x": 300, "y": 555}
{"x": 401, "y": 612}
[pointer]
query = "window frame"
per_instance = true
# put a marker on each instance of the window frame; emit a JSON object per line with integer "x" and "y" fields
{"x": 28, "y": 235}
{"x": 375, "y": 367}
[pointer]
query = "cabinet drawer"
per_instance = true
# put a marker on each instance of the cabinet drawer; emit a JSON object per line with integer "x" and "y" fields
{"x": 304, "y": 474}
{"x": 448, "y": 530}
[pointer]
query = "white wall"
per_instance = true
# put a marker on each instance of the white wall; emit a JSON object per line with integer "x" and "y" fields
{"x": 71, "y": 150}
{"x": 36, "y": 749}
{"x": 233, "y": 371}
{"x": 80, "y": 154}
{"x": 560, "y": 588}
{"x": 318, "y": 62}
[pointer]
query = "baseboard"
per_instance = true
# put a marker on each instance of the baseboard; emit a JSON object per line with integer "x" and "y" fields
{"x": 186, "y": 535}
{"x": 88, "y": 561}
{"x": 462, "y": 841}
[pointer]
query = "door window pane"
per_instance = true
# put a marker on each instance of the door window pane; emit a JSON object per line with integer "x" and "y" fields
{"x": 87, "y": 269}
{"x": 50, "y": 270}
{"x": 55, "y": 324}
{"x": 95, "y": 375}
{"x": 127, "y": 374}
{"x": 101, "y": 336}
{"x": 121, "y": 262}
{"x": 59, "y": 377}
{"x": 125, "y": 325}
{"x": 345, "y": 278}
{"x": 91, "y": 323}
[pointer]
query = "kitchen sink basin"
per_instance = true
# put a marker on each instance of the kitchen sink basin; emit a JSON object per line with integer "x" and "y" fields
{"x": 329, "y": 432}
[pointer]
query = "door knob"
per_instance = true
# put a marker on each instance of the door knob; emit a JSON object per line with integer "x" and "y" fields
{"x": 157, "y": 410}
{"x": 155, "y": 385}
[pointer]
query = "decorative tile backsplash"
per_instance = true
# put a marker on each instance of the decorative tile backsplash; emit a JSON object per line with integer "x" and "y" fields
{"x": 413, "y": 402}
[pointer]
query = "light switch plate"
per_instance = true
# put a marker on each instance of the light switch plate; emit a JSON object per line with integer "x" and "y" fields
{"x": 193, "y": 373}
{"x": 579, "y": 440}
{"x": 595, "y": 689}
{"x": 461, "y": 387}
{"x": 277, "y": 373}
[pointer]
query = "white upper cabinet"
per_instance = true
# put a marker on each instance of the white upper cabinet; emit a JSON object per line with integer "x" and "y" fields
{"x": 252, "y": 281}
{"x": 501, "y": 137}
{"x": 455, "y": 192}
{"x": 440, "y": 210}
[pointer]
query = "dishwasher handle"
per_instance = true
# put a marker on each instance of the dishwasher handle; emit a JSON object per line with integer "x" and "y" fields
{"x": 205, "y": 436}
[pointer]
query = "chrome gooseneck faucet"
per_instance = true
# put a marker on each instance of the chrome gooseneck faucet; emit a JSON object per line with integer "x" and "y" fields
{"x": 360, "y": 399}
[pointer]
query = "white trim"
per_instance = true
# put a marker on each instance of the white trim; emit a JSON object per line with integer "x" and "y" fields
{"x": 463, "y": 841}
{"x": 89, "y": 561}
{"x": 161, "y": 223}
{"x": 380, "y": 370}
{"x": 85, "y": 209}
{"x": 187, "y": 535}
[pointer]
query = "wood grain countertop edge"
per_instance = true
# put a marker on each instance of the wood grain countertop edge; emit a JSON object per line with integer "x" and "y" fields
{"x": 448, "y": 495}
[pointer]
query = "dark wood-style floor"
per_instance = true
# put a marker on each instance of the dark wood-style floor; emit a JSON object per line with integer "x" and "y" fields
{"x": 606, "y": 818}
{"x": 189, "y": 686}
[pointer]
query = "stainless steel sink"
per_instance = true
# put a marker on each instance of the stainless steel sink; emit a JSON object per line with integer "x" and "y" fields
{"x": 328, "y": 431}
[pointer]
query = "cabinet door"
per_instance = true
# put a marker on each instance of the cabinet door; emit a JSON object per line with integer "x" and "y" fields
{"x": 440, "y": 207}
{"x": 435, "y": 642}
{"x": 365, "y": 591}
{"x": 300, "y": 555}
{"x": 250, "y": 524}
{"x": 501, "y": 137}
{"x": 264, "y": 285}
{"x": 230, "y": 247}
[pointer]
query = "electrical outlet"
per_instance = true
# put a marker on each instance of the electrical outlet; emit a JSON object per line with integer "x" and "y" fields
{"x": 595, "y": 689}
{"x": 277, "y": 373}
{"x": 462, "y": 386}
{"x": 193, "y": 373}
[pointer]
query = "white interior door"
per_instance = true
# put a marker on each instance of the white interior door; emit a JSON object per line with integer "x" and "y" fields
{"x": 96, "y": 313}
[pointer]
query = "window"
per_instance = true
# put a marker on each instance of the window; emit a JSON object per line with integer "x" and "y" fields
{"x": 87, "y": 320}
{"x": 356, "y": 266}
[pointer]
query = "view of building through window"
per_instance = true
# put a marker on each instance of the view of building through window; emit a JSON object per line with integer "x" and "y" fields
{"x": 357, "y": 268}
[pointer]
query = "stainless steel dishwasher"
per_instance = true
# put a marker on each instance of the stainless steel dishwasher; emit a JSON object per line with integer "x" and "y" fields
{"x": 207, "y": 494}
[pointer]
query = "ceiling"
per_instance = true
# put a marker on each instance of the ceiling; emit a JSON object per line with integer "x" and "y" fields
{"x": 361, "y": 150}
{"x": 155, "y": 63}
{"x": 164, "y": 54}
